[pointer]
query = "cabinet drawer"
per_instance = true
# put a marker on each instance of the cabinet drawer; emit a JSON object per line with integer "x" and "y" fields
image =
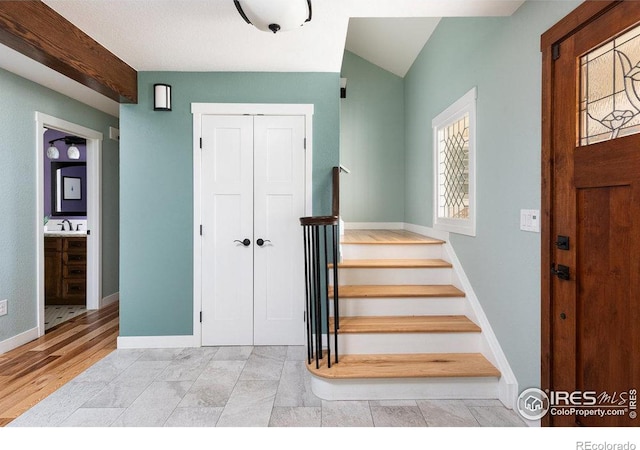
{"x": 53, "y": 243}
{"x": 77, "y": 244}
{"x": 74, "y": 288}
{"x": 73, "y": 257}
{"x": 74, "y": 271}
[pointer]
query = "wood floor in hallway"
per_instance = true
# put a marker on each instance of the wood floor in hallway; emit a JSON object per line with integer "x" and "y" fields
{"x": 31, "y": 372}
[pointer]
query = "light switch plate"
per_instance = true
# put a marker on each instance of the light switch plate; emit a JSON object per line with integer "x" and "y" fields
{"x": 530, "y": 220}
{"x": 3, "y": 307}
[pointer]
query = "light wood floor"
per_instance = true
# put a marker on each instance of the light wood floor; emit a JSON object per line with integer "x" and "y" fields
{"x": 31, "y": 372}
{"x": 386, "y": 237}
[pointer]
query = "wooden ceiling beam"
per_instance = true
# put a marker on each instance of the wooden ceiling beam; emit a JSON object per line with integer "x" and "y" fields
{"x": 37, "y": 31}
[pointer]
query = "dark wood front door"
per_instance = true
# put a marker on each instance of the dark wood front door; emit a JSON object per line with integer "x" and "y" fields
{"x": 591, "y": 196}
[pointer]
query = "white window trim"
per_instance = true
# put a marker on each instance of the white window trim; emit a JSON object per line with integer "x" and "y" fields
{"x": 466, "y": 104}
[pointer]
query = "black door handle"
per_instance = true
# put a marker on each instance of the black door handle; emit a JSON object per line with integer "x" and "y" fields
{"x": 561, "y": 272}
{"x": 261, "y": 242}
{"x": 246, "y": 242}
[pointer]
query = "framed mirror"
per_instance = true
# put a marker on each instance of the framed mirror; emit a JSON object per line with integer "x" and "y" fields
{"x": 68, "y": 188}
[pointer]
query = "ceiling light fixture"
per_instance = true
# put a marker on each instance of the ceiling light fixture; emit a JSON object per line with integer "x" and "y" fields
{"x": 275, "y": 15}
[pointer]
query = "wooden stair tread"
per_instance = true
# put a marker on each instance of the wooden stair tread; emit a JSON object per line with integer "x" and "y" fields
{"x": 392, "y": 264}
{"x": 421, "y": 365}
{"x": 381, "y": 237}
{"x": 405, "y": 324}
{"x": 396, "y": 291}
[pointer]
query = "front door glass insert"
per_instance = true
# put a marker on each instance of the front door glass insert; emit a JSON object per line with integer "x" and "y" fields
{"x": 610, "y": 89}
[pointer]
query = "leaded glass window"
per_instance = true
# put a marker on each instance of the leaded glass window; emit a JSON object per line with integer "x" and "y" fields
{"x": 610, "y": 90}
{"x": 453, "y": 170}
{"x": 454, "y": 148}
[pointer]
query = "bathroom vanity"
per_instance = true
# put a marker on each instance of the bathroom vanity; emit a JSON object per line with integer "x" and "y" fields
{"x": 65, "y": 269}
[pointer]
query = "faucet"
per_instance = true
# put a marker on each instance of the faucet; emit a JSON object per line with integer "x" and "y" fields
{"x": 62, "y": 224}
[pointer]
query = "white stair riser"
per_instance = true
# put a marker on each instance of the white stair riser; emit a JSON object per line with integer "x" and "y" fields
{"x": 405, "y": 388}
{"x": 394, "y": 276}
{"x": 436, "y": 306}
{"x": 380, "y": 343}
{"x": 395, "y": 251}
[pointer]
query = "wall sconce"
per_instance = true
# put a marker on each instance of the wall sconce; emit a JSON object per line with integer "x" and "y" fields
{"x": 343, "y": 88}
{"x": 161, "y": 97}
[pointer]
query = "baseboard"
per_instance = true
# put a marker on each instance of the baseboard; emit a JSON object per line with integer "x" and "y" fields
{"x": 18, "y": 340}
{"x": 109, "y": 299}
{"x": 157, "y": 342}
{"x": 373, "y": 225}
{"x": 427, "y": 231}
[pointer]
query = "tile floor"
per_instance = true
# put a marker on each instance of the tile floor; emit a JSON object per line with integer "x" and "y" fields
{"x": 233, "y": 387}
{"x": 56, "y": 314}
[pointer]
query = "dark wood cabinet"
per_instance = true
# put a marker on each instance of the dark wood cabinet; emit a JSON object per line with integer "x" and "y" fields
{"x": 65, "y": 270}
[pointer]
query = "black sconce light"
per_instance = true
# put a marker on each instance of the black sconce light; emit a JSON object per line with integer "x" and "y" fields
{"x": 343, "y": 88}
{"x": 161, "y": 97}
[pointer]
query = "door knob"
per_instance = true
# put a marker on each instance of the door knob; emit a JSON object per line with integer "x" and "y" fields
{"x": 246, "y": 242}
{"x": 261, "y": 242}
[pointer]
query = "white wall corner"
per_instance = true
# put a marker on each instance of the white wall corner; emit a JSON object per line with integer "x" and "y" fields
{"x": 109, "y": 299}
{"x": 18, "y": 340}
{"x": 156, "y": 342}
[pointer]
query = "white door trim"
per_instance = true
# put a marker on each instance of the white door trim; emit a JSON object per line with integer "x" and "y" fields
{"x": 200, "y": 109}
{"x": 94, "y": 209}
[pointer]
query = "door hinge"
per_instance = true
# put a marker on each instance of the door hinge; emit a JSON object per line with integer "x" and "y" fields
{"x": 200, "y": 142}
{"x": 305, "y": 143}
{"x": 200, "y": 230}
{"x": 555, "y": 51}
{"x": 200, "y": 316}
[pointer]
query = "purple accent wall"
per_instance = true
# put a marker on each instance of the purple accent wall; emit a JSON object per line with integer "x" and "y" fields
{"x": 50, "y": 135}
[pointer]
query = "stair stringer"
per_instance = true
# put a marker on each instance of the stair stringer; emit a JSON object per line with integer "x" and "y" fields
{"x": 489, "y": 345}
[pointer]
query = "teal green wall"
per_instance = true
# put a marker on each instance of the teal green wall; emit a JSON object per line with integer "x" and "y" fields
{"x": 156, "y": 176}
{"x": 19, "y": 100}
{"x": 501, "y": 56}
{"x": 371, "y": 143}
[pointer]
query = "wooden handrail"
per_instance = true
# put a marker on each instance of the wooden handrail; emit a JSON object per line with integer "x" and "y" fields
{"x": 319, "y": 220}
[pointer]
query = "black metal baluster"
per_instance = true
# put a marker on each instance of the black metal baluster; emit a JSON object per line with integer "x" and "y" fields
{"x": 326, "y": 292}
{"x": 336, "y": 311}
{"x": 318, "y": 298}
{"x": 305, "y": 241}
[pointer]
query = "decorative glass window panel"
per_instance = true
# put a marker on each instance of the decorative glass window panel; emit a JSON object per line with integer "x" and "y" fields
{"x": 454, "y": 164}
{"x": 610, "y": 90}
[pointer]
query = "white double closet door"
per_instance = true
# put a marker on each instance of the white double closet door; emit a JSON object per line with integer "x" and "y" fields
{"x": 253, "y": 194}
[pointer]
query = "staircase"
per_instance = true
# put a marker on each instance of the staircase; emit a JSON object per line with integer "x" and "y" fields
{"x": 405, "y": 330}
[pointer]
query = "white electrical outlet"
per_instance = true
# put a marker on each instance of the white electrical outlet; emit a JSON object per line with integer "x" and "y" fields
{"x": 530, "y": 220}
{"x": 3, "y": 307}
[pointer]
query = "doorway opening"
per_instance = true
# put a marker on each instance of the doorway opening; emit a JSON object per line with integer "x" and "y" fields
{"x": 68, "y": 212}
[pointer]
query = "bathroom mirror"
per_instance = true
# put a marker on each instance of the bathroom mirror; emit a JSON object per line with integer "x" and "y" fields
{"x": 68, "y": 189}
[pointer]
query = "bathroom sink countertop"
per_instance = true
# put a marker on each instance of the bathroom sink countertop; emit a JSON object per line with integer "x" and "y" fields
{"x": 65, "y": 233}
